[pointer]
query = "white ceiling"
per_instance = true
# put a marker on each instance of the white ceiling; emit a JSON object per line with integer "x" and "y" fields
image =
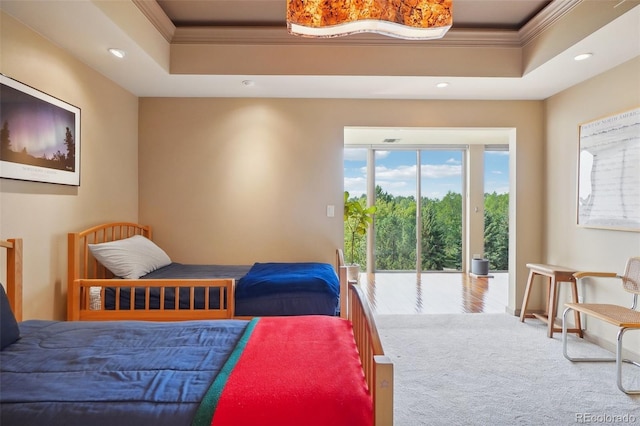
{"x": 86, "y": 28}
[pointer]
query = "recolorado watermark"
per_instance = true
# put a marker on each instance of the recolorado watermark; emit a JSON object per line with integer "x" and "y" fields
{"x": 603, "y": 418}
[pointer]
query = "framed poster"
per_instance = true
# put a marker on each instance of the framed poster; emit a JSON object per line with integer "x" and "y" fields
{"x": 39, "y": 135}
{"x": 609, "y": 172}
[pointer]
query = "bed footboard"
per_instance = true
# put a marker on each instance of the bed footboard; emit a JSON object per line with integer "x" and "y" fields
{"x": 378, "y": 368}
{"x": 87, "y": 300}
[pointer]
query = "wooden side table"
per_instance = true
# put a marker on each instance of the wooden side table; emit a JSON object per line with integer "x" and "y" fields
{"x": 555, "y": 274}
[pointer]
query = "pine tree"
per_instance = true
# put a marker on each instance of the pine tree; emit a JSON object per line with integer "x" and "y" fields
{"x": 71, "y": 151}
{"x": 5, "y": 140}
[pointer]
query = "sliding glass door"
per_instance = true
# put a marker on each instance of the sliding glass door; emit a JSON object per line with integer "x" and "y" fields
{"x": 496, "y": 207}
{"x": 441, "y": 207}
{"x": 418, "y": 224}
{"x": 420, "y": 221}
{"x": 395, "y": 222}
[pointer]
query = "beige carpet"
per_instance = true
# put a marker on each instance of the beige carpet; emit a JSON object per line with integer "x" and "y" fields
{"x": 490, "y": 369}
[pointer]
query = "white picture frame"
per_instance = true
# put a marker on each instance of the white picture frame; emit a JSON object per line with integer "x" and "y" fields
{"x": 39, "y": 135}
{"x": 609, "y": 172}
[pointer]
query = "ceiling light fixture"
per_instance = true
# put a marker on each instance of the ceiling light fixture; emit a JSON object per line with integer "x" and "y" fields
{"x": 406, "y": 19}
{"x": 582, "y": 56}
{"x": 442, "y": 85}
{"x": 118, "y": 53}
{"x": 248, "y": 83}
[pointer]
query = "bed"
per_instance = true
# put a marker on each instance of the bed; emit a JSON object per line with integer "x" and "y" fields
{"x": 203, "y": 291}
{"x": 312, "y": 370}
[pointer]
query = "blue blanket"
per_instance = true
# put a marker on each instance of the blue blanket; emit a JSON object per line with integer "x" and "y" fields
{"x": 264, "y": 289}
{"x": 112, "y": 373}
{"x": 272, "y": 278}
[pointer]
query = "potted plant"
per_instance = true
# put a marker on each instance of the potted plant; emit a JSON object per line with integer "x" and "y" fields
{"x": 357, "y": 219}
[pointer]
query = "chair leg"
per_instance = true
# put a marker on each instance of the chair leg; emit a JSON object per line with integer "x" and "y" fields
{"x": 552, "y": 305}
{"x": 618, "y": 358}
{"x": 527, "y": 292}
{"x": 576, "y": 317}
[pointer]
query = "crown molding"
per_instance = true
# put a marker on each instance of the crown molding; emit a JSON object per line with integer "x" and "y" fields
{"x": 546, "y": 18}
{"x": 157, "y": 17}
{"x": 249, "y": 35}
{"x": 280, "y": 36}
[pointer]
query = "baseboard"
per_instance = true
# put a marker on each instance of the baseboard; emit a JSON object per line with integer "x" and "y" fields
{"x": 611, "y": 347}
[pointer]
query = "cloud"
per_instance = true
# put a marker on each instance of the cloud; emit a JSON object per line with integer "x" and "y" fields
{"x": 400, "y": 179}
{"x": 355, "y": 185}
{"x": 437, "y": 171}
{"x": 398, "y": 173}
{"x": 355, "y": 154}
{"x": 431, "y": 171}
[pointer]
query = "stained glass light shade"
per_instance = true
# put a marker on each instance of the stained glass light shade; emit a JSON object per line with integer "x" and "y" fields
{"x": 407, "y": 19}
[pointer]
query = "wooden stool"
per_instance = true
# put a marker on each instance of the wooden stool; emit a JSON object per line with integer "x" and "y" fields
{"x": 554, "y": 274}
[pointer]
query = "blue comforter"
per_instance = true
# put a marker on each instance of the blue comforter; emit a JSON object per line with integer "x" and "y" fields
{"x": 263, "y": 289}
{"x": 112, "y": 373}
{"x": 272, "y": 278}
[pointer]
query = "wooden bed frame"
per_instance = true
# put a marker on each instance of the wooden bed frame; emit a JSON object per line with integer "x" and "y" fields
{"x": 14, "y": 275}
{"x": 377, "y": 367}
{"x": 87, "y": 278}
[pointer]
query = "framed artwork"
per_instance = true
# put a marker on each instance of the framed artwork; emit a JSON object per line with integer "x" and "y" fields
{"x": 609, "y": 172}
{"x": 39, "y": 135}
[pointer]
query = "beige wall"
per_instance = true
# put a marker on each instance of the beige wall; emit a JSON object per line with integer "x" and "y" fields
{"x": 42, "y": 214}
{"x": 245, "y": 180}
{"x": 566, "y": 243}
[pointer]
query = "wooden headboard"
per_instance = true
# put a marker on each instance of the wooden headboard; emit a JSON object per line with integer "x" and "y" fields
{"x": 81, "y": 263}
{"x": 14, "y": 274}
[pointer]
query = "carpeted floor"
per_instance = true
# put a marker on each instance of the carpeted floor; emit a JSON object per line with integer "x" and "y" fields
{"x": 490, "y": 369}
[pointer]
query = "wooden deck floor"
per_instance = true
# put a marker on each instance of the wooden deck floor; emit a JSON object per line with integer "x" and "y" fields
{"x": 435, "y": 293}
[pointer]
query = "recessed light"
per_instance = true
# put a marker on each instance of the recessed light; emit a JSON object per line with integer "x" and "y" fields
{"x": 582, "y": 56}
{"x": 118, "y": 53}
{"x": 442, "y": 85}
{"x": 248, "y": 83}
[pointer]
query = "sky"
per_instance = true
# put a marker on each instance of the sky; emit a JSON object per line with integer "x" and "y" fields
{"x": 34, "y": 124}
{"x": 441, "y": 172}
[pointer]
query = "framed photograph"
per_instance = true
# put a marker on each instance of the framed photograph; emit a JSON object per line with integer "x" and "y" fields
{"x": 609, "y": 172}
{"x": 39, "y": 135}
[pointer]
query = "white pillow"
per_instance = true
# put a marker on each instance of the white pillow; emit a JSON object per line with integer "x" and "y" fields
{"x": 130, "y": 258}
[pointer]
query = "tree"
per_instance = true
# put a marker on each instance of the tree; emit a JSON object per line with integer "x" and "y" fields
{"x": 449, "y": 215}
{"x": 5, "y": 139}
{"x": 395, "y": 229}
{"x": 433, "y": 256}
{"x": 357, "y": 219}
{"x": 496, "y": 231}
{"x": 71, "y": 151}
